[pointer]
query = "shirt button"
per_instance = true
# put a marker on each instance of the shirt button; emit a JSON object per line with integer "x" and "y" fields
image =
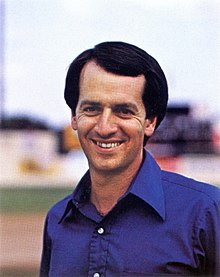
{"x": 96, "y": 274}
{"x": 100, "y": 231}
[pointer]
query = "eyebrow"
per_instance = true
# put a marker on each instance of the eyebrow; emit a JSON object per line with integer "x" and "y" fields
{"x": 88, "y": 102}
{"x": 116, "y": 105}
{"x": 126, "y": 106}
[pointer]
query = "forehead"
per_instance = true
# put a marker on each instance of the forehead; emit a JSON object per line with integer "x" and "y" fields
{"x": 95, "y": 80}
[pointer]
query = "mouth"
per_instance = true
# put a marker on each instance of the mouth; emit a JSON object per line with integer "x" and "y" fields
{"x": 107, "y": 145}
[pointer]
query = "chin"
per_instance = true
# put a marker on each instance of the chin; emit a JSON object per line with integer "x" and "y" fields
{"x": 109, "y": 168}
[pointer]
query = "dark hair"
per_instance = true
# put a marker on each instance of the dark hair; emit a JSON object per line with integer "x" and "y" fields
{"x": 123, "y": 59}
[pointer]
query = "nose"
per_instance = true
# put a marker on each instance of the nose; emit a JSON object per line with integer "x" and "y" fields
{"x": 106, "y": 124}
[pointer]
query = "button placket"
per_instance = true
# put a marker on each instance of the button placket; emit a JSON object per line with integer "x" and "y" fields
{"x": 98, "y": 251}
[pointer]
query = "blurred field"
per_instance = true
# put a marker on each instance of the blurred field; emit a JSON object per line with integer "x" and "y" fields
{"x": 22, "y": 212}
{"x": 31, "y": 199}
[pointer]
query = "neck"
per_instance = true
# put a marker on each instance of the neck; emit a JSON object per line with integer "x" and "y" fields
{"x": 108, "y": 187}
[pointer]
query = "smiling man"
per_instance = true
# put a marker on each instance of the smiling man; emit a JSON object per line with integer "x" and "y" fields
{"x": 126, "y": 216}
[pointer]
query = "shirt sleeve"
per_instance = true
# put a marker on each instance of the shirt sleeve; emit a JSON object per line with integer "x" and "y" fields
{"x": 45, "y": 258}
{"x": 214, "y": 219}
{"x": 209, "y": 238}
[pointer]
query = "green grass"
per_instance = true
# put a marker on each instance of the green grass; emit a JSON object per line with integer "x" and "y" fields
{"x": 37, "y": 199}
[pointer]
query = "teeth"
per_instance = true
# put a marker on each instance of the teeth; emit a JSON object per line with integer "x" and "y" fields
{"x": 108, "y": 145}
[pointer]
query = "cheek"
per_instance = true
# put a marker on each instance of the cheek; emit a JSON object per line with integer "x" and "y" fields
{"x": 84, "y": 125}
{"x": 134, "y": 132}
{"x": 136, "y": 126}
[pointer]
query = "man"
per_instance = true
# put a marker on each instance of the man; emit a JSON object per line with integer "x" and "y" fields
{"x": 126, "y": 216}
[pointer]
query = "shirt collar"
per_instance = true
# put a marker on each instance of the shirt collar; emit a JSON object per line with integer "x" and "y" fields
{"x": 79, "y": 195}
{"x": 147, "y": 185}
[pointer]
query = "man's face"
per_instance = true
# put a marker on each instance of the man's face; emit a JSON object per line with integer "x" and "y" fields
{"x": 110, "y": 119}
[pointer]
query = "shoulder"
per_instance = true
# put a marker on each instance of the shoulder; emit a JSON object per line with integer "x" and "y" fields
{"x": 189, "y": 187}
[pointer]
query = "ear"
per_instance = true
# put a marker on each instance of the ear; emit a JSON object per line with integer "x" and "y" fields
{"x": 74, "y": 122}
{"x": 150, "y": 124}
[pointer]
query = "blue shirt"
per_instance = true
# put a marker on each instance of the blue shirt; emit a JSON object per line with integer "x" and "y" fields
{"x": 164, "y": 224}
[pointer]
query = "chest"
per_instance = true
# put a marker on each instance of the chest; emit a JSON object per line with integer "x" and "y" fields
{"x": 138, "y": 244}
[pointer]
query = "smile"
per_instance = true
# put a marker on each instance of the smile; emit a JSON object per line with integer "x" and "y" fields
{"x": 108, "y": 145}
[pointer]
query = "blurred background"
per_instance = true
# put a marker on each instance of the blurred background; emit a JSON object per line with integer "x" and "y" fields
{"x": 40, "y": 157}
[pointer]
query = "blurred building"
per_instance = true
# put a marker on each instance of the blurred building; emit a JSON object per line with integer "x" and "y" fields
{"x": 68, "y": 140}
{"x": 181, "y": 133}
{"x": 32, "y": 153}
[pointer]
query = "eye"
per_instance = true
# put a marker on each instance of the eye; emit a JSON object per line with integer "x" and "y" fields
{"x": 123, "y": 112}
{"x": 91, "y": 110}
